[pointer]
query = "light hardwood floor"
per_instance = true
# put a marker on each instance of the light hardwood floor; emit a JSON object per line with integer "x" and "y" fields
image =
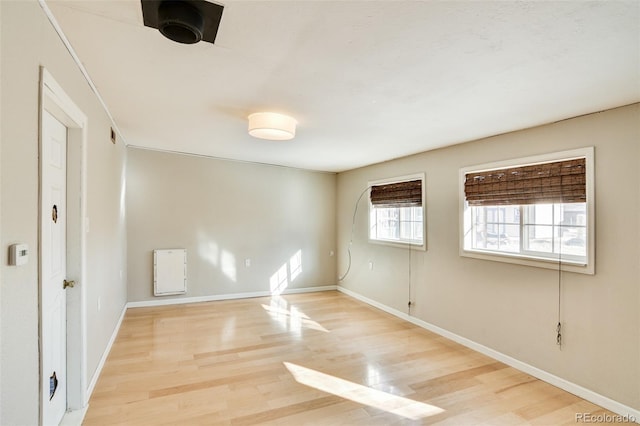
{"x": 318, "y": 359}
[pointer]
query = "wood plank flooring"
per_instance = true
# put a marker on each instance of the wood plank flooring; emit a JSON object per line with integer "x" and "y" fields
{"x": 308, "y": 359}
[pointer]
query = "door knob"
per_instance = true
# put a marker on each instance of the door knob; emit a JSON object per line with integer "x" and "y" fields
{"x": 66, "y": 284}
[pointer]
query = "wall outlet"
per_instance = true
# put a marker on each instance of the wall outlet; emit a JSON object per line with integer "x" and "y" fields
{"x": 371, "y": 265}
{"x": 99, "y": 304}
{"x": 247, "y": 262}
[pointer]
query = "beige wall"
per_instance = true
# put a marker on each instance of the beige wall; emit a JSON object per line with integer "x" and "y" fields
{"x": 29, "y": 41}
{"x": 513, "y": 308}
{"x": 1, "y": 281}
{"x": 225, "y": 212}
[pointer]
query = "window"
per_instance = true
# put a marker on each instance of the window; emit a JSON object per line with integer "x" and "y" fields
{"x": 396, "y": 211}
{"x": 536, "y": 211}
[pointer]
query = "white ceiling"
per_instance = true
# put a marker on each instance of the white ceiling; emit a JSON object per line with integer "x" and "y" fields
{"x": 368, "y": 81}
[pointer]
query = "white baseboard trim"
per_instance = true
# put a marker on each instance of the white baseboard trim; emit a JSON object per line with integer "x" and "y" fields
{"x": 105, "y": 354}
{"x": 623, "y": 410}
{"x": 213, "y": 298}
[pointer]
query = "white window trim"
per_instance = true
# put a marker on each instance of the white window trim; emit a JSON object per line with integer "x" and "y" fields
{"x": 566, "y": 264}
{"x": 401, "y": 244}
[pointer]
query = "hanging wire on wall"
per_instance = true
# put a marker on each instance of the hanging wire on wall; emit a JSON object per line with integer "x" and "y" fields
{"x": 559, "y": 326}
{"x": 353, "y": 226}
{"x": 349, "y": 255}
{"x": 409, "y": 303}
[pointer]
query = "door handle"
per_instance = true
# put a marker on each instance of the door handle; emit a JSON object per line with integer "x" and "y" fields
{"x": 66, "y": 284}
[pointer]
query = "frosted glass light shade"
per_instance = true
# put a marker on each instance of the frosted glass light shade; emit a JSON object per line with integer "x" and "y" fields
{"x": 272, "y": 126}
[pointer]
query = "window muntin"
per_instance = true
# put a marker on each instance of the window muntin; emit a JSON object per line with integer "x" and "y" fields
{"x": 496, "y": 228}
{"x": 556, "y": 231}
{"x": 532, "y": 234}
{"x": 545, "y": 231}
{"x": 399, "y": 224}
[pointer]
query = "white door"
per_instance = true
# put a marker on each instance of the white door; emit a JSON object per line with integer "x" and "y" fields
{"x": 53, "y": 269}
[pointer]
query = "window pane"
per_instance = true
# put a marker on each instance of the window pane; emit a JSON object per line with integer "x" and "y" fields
{"x": 571, "y": 214}
{"x": 397, "y": 224}
{"x": 405, "y": 230}
{"x": 417, "y": 212}
{"x": 496, "y": 228}
{"x": 387, "y": 223}
{"x": 573, "y": 241}
{"x": 538, "y": 238}
{"x": 511, "y": 239}
{"x": 539, "y": 214}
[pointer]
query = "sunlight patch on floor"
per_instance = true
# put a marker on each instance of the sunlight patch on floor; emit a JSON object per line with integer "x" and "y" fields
{"x": 390, "y": 403}
{"x": 291, "y": 317}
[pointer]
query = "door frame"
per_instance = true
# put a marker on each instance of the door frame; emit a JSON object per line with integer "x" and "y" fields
{"x": 55, "y": 100}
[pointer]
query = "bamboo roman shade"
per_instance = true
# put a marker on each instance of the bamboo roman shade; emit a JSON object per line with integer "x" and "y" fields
{"x": 556, "y": 182}
{"x": 399, "y": 194}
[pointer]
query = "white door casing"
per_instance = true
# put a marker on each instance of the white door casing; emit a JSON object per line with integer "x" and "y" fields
{"x": 56, "y": 105}
{"x": 53, "y": 266}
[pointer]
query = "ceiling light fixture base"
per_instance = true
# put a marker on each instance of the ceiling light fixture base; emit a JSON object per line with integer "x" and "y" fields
{"x": 272, "y": 126}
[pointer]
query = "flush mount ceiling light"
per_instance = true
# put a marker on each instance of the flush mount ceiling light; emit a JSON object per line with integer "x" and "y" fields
{"x": 183, "y": 21}
{"x": 272, "y": 126}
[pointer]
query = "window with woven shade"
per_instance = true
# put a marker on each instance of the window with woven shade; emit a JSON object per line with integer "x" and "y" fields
{"x": 535, "y": 210}
{"x": 396, "y": 213}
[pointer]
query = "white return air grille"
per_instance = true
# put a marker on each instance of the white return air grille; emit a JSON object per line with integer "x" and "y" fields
{"x": 169, "y": 272}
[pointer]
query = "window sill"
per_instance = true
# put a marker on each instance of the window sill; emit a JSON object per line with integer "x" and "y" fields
{"x": 400, "y": 244}
{"x": 518, "y": 259}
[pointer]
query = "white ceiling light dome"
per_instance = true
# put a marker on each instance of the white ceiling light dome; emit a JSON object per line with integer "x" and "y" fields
{"x": 272, "y": 126}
